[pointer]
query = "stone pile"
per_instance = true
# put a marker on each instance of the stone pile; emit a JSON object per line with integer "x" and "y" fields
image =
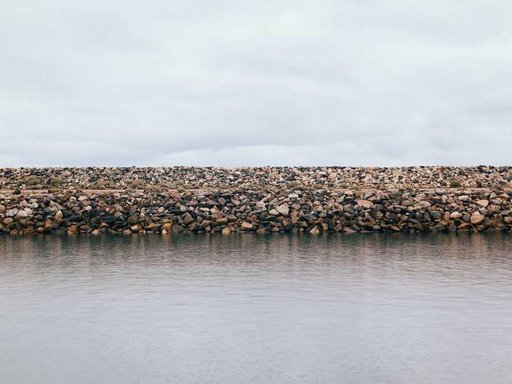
{"x": 260, "y": 210}
{"x": 268, "y": 178}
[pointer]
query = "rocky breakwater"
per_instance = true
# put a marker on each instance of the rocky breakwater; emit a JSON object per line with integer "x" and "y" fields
{"x": 305, "y": 210}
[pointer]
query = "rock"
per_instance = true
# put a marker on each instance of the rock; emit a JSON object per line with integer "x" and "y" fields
{"x": 226, "y": 230}
{"x": 260, "y": 205}
{"x": 71, "y": 230}
{"x": 58, "y": 216}
{"x": 133, "y": 219}
{"x": 436, "y": 215}
{"x": 483, "y": 203}
{"x": 283, "y": 209}
{"x": 366, "y": 204}
{"x": 477, "y": 218}
{"x": 246, "y": 226}
{"x": 187, "y": 219}
{"x": 222, "y": 220}
{"x": 455, "y": 215}
{"x": 153, "y": 227}
{"x": 314, "y": 231}
{"x": 11, "y": 212}
{"x": 21, "y": 215}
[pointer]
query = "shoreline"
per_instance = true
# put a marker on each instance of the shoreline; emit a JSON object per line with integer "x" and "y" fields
{"x": 262, "y": 206}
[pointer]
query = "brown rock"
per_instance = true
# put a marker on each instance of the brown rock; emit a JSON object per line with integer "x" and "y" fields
{"x": 226, "y": 230}
{"x": 187, "y": 219}
{"x": 455, "y": 215}
{"x": 71, "y": 229}
{"x": 246, "y": 226}
{"x": 366, "y": 204}
{"x": 477, "y": 218}
{"x": 222, "y": 220}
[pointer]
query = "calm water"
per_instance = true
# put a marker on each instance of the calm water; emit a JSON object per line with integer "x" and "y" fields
{"x": 249, "y": 309}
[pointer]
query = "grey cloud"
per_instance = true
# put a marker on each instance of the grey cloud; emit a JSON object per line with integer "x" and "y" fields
{"x": 254, "y": 83}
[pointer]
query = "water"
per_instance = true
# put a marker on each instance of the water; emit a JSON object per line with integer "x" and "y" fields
{"x": 250, "y": 309}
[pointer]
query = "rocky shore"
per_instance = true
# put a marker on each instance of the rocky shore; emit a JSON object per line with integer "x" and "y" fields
{"x": 262, "y": 200}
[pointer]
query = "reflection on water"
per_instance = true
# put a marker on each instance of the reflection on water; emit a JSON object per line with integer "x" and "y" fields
{"x": 259, "y": 309}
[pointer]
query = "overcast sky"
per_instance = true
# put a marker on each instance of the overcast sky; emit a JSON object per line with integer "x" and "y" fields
{"x": 239, "y": 83}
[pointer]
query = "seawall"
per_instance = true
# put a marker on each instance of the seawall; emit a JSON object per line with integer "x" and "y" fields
{"x": 255, "y": 200}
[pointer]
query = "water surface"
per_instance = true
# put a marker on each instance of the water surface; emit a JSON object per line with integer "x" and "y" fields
{"x": 253, "y": 309}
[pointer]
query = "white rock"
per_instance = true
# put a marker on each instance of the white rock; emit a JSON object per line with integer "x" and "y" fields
{"x": 283, "y": 209}
{"x": 11, "y": 212}
{"x": 21, "y": 215}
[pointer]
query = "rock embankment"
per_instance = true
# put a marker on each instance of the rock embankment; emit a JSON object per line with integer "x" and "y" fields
{"x": 260, "y": 210}
{"x": 332, "y": 178}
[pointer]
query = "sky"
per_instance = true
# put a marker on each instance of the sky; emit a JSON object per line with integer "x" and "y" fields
{"x": 254, "y": 83}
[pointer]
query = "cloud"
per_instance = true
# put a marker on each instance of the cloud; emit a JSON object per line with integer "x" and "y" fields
{"x": 255, "y": 83}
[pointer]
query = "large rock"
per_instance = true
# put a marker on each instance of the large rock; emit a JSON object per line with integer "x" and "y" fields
{"x": 246, "y": 226}
{"x": 477, "y": 218}
{"x": 283, "y": 209}
{"x": 366, "y": 204}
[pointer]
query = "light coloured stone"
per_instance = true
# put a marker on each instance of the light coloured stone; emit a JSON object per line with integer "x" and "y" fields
{"x": 283, "y": 209}
{"x": 314, "y": 231}
{"x": 226, "y": 230}
{"x": 477, "y": 218}
{"x": 21, "y": 215}
{"x": 11, "y": 212}
{"x": 246, "y": 226}
{"x": 367, "y": 204}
